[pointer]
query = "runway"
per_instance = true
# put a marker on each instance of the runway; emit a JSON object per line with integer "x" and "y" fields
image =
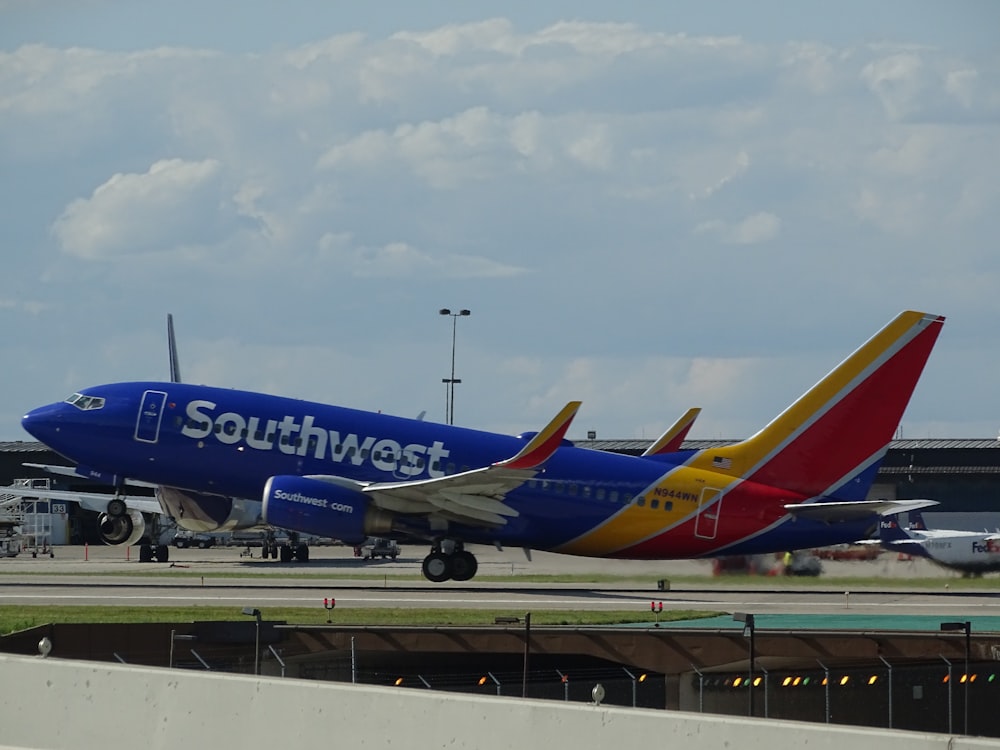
{"x": 222, "y": 577}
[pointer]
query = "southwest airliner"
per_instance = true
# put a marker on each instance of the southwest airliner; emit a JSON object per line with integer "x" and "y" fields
{"x": 222, "y": 460}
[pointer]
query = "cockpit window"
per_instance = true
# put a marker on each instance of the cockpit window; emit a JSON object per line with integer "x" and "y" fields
{"x": 85, "y": 403}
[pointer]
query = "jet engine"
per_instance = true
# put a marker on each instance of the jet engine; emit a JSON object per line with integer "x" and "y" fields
{"x": 315, "y": 506}
{"x": 127, "y": 528}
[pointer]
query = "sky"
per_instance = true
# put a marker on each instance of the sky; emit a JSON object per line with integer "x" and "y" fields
{"x": 645, "y": 206}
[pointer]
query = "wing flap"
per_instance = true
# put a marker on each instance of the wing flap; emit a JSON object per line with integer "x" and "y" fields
{"x": 464, "y": 512}
{"x": 474, "y": 497}
{"x": 480, "y": 503}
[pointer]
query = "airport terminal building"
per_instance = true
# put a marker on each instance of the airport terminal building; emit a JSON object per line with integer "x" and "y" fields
{"x": 963, "y": 476}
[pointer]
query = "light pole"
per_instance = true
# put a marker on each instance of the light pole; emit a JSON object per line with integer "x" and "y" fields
{"x": 255, "y": 613}
{"x": 967, "y": 627}
{"x": 748, "y": 628}
{"x": 450, "y": 382}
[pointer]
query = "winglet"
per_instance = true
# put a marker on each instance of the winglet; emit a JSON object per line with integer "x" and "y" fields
{"x": 175, "y": 365}
{"x": 670, "y": 441}
{"x": 544, "y": 444}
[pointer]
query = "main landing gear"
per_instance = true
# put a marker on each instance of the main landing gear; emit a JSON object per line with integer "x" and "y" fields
{"x": 293, "y": 549}
{"x": 456, "y": 565}
{"x": 150, "y": 552}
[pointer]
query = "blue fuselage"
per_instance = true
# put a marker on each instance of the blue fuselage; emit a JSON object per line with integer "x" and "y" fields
{"x": 229, "y": 443}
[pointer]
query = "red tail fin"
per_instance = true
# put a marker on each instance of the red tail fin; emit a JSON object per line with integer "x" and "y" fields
{"x": 830, "y": 440}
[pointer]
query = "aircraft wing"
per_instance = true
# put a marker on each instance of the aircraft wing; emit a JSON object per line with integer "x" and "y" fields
{"x": 76, "y": 473}
{"x": 96, "y": 501}
{"x": 473, "y": 497}
{"x": 854, "y": 511}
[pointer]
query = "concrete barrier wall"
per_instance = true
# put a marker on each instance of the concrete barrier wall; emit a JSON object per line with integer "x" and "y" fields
{"x": 52, "y": 703}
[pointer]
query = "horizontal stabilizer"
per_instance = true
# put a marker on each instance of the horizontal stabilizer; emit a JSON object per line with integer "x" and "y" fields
{"x": 854, "y": 511}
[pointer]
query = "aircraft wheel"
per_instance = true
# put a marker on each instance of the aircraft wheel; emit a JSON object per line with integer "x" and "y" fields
{"x": 145, "y": 553}
{"x": 302, "y": 553}
{"x": 116, "y": 507}
{"x": 162, "y": 553}
{"x": 437, "y": 567}
{"x": 285, "y": 552}
{"x": 463, "y": 565}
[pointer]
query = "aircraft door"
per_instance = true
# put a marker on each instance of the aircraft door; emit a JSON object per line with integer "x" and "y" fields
{"x": 147, "y": 426}
{"x": 706, "y": 523}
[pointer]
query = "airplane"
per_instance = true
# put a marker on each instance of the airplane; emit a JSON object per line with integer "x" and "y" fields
{"x": 972, "y": 553}
{"x": 222, "y": 459}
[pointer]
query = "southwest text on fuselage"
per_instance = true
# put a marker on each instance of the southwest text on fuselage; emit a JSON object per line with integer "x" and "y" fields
{"x": 301, "y": 438}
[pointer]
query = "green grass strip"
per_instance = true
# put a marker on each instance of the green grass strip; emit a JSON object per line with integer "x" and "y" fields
{"x": 17, "y": 617}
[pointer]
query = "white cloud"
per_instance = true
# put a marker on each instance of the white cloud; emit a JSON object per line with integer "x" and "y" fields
{"x": 41, "y": 81}
{"x": 399, "y": 260}
{"x": 450, "y": 40}
{"x": 704, "y": 166}
{"x": 896, "y": 80}
{"x": 136, "y": 213}
{"x": 31, "y": 307}
{"x": 752, "y": 230}
{"x": 755, "y": 229}
{"x": 579, "y": 184}
{"x": 477, "y": 145}
{"x": 811, "y": 65}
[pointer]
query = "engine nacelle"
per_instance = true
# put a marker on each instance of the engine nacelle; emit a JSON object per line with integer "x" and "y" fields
{"x": 127, "y": 528}
{"x": 312, "y": 506}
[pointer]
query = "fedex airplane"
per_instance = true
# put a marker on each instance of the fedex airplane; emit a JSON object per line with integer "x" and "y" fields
{"x": 223, "y": 459}
{"x": 972, "y": 553}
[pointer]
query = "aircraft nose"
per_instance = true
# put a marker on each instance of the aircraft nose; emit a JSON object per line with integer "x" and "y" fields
{"x": 44, "y": 422}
